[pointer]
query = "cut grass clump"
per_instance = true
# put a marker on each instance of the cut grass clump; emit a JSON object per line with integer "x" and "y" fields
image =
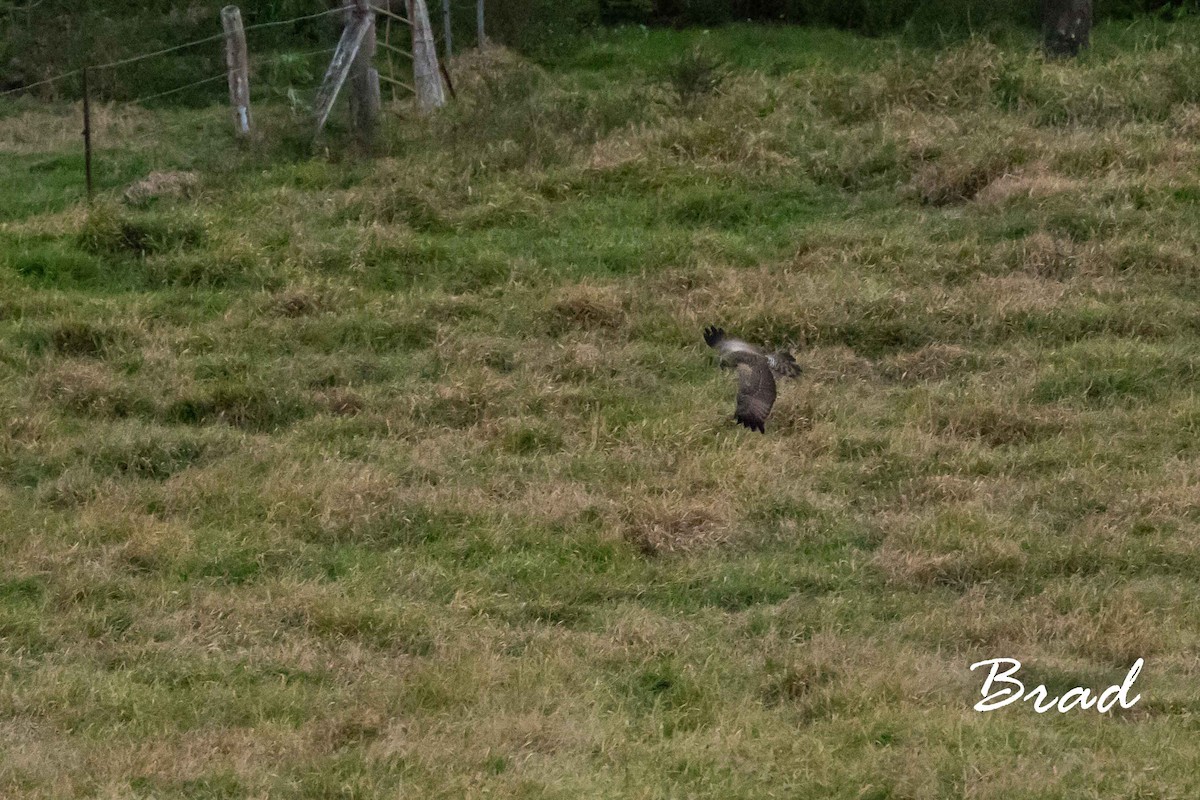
{"x": 57, "y": 264}
{"x": 78, "y": 338}
{"x": 999, "y": 426}
{"x": 253, "y": 408}
{"x": 526, "y": 440}
{"x": 221, "y": 268}
{"x": 586, "y": 307}
{"x": 170, "y": 185}
{"x": 154, "y": 456}
{"x": 91, "y": 389}
{"x": 959, "y": 178}
{"x": 1047, "y": 256}
{"x": 108, "y": 232}
{"x": 453, "y": 407}
{"x": 296, "y": 303}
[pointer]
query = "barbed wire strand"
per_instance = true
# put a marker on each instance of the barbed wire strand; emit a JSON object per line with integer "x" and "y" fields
{"x": 164, "y": 51}
{"x": 186, "y": 86}
{"x": 398, "y": 83}
{"x": 41, "y": 83}
{"x": 277, "y": 22}
{"x": 391, "y": 14}
{"x": 214, "y": 38}
{"x": 394, "y": 49}
{"x": 261, "y": 60}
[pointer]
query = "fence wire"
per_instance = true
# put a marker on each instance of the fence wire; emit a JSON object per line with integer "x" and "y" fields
{"x": 173, "y": 49}
{"x": 178, "y": 89}
{"x": 124, "y": 133}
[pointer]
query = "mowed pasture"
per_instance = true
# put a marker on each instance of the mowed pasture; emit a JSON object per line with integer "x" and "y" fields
{"x": 411, "y": 476}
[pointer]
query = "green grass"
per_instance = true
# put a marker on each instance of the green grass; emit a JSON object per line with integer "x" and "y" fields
{"x": 336, "y": 476}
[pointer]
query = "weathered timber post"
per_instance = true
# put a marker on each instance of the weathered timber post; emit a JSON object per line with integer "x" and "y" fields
{"x": 339, "y": 68}
{"x": 447, "y": 32}
{"x": 479, "y": 22}
{"x": 239, "y": 69}
{"x": 364, "y": 78}
{"x": 426, "y": 79}
{"x": 87, "y": 136}
{"x": 1066, "y": 26}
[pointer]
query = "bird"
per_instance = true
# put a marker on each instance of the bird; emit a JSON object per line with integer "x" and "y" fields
{"x": 756, "y": 371}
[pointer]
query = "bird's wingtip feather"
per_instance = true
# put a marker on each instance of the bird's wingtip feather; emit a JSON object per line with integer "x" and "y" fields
{"x": 713, "y": 334}
{"x": 752, "y": 424}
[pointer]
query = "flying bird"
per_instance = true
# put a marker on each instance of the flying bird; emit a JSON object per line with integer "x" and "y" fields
{"x": 756, "y": 371}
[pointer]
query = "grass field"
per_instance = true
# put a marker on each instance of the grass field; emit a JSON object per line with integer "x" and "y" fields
{"x": 412, "y": 477}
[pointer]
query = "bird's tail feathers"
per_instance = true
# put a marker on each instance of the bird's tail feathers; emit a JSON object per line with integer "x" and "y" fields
{"x": 784, "y": 364}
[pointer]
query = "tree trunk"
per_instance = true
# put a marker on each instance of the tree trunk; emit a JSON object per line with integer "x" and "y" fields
{"x": 1066, "y": 26}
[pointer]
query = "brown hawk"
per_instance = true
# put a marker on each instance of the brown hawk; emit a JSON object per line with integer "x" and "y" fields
{"x": 756, "y": 371}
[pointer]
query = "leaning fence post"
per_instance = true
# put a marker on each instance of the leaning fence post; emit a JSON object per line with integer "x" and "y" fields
{"x": 239, "y": 69}
{"x": 447, "y": 32}
{"x": 364, "y": 78}
{"x": 87, "y": 136}
{"x": 479, "y": 22}
{"x": 339, "y": 68}
{"x": 426, "y": 79}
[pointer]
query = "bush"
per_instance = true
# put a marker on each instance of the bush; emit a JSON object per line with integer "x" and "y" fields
{"x": 626, "y": 10}
{"x": 924, "y": 19}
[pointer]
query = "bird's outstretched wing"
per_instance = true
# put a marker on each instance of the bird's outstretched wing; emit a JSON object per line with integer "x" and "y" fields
{"x": 756, "y": 391}
{"x": 726, "y": 347}
{"x": 756, "y": 375}
{"x": 783, "y": 364}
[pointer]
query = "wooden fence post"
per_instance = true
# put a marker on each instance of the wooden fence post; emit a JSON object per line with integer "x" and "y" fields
{"x": 87, "y": 136}
{"x": 339, "y": 68}
{"x": 447, "y": 32}
{"x": 1066, "y": 26}
{"x": 239, "y": 69}
{"x": 426, "y": 79}
{"x": 479, "y": 22}
{"x": 364, "y": 78}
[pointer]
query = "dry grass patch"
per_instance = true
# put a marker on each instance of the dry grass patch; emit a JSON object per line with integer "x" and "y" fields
{"x": 921, "y": 569}
{"x": 40, "y": 131}
{"x": 1032, "y": 182}
{"x": 342, "y": 402}
{"x": 1000, "y": 425}
{"x": 172, "y": 185}
{"x": 588, "y": 307}
{"x": 933, "y": 362}
{"x": 83, "y": 386}
{"x": 297, "y": 303}
{"x": 617, "y": 152}
{"x": 959, "y": 178}
{"x": 1051, "y": 257}
{"x": 669, "y": 525}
